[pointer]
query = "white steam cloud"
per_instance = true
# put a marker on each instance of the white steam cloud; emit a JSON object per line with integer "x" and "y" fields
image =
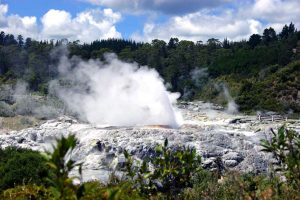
{"x": 232, "y": 107}
{"x": 27, "y": 104}
{"x": 116, "y": 93}
{"x": 199, "y": 76}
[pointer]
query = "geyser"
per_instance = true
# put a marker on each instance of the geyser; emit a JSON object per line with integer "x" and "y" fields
{"x": 116, "y": 93}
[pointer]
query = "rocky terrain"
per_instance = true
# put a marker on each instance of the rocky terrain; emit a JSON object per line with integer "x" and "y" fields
{"x": 213, "y": 132}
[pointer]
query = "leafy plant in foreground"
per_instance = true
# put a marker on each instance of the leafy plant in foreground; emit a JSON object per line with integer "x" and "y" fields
{"x": 168, "y": 172}
{"x": 285, "y": 147}
{"x": 61, "y": 164}
{"x": 27, "y": 192}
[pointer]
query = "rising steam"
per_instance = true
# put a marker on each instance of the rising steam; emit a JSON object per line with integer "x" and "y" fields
{"x": 113, "y": 92}
{"x": 232, "y": 107}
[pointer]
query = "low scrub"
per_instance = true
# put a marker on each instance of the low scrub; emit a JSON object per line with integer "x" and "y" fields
{"x": 22, "y": 166}
{"x": 168, "y": 172}
{"x": 285, "y": 147}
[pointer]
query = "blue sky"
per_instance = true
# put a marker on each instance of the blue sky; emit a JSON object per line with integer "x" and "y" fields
{"x": 144, "y": 20}
{"x": 38, "y": 8}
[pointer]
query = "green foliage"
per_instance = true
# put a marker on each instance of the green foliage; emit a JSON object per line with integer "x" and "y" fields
{"x": 27, "y": 192}
{"x": 254, "y": 40}
{"x": 22, "y": 166}
{"x": 233, "y": 186}
{"x": 119, "y": 191}
{"x": 61, "y": 165}
{"x": 168, "y": 172}
{"x": 93, "y": 190}
{"x": 285, "y": 147}
{"x": 276, "y": 89}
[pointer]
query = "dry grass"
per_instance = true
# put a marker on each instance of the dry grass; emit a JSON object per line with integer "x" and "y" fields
{"x": 18, "y": 122}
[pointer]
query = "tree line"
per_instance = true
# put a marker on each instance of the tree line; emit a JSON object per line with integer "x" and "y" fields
{"x": 234, "y": 62}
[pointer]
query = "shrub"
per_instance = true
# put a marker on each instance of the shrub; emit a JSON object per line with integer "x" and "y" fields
{"x": 234, "y": 185}
{"x": 121, "y": 190}
{"x": 22, "y": 166}
{"x": 168, "y": 172}
{"x": 205, "y": 184}
{"x": 285, "y": 147}
{"x": 27, "y": 192}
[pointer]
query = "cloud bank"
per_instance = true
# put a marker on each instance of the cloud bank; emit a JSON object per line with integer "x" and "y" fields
{"x": 201, "y": 26}
{"x": 190, "y": 20}
{"x": 15, "y": 24}
{"x": 86, "y": 26}
{"x": 236, "y": 22}
{"x": 173, "y": 7}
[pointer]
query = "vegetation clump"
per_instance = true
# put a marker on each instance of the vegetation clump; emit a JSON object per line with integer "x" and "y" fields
{"x": 22, "y": 166}
{"x": 168, "y": 172}
{"x": 285, "y": 147}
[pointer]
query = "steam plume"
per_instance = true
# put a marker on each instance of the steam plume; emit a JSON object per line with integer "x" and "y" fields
{"x": 115, "y": 93}
{"x": 232, "y": 107}
{"x": 199, "y": 76}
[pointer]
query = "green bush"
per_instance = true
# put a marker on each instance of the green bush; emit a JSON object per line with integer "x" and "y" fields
{"x": 168, "y": 172}
{"x": 119, "y": 191}
{"x": 21, "y": 166}
{"x": 234, "y": 185}
{"x": 27, "y": 192}
{"x": 285, "y": 147}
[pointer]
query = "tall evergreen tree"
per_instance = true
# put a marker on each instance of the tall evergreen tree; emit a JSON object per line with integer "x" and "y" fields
{"x": 254, "y": 40}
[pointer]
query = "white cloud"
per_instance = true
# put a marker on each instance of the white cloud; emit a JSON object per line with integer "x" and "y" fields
{"x": 277, "y": 10}
{"x": 15, "y": 24}
{"x": 201, "y": 26}
{"x": 164, "y": 6}
{"x": 276, "y": 13}
{"x": 191, "y": 20}
{"x": 57, "y": 24}
{"x": 237, "y": 23}
{"x": 3, "y": 11}
{"x": 86, "y": 26}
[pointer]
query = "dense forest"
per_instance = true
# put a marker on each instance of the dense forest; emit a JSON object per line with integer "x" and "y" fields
{"x": 262, "y": 73}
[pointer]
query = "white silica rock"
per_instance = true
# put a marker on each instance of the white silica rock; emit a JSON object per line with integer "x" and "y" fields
{"x": 100, "y": 148}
